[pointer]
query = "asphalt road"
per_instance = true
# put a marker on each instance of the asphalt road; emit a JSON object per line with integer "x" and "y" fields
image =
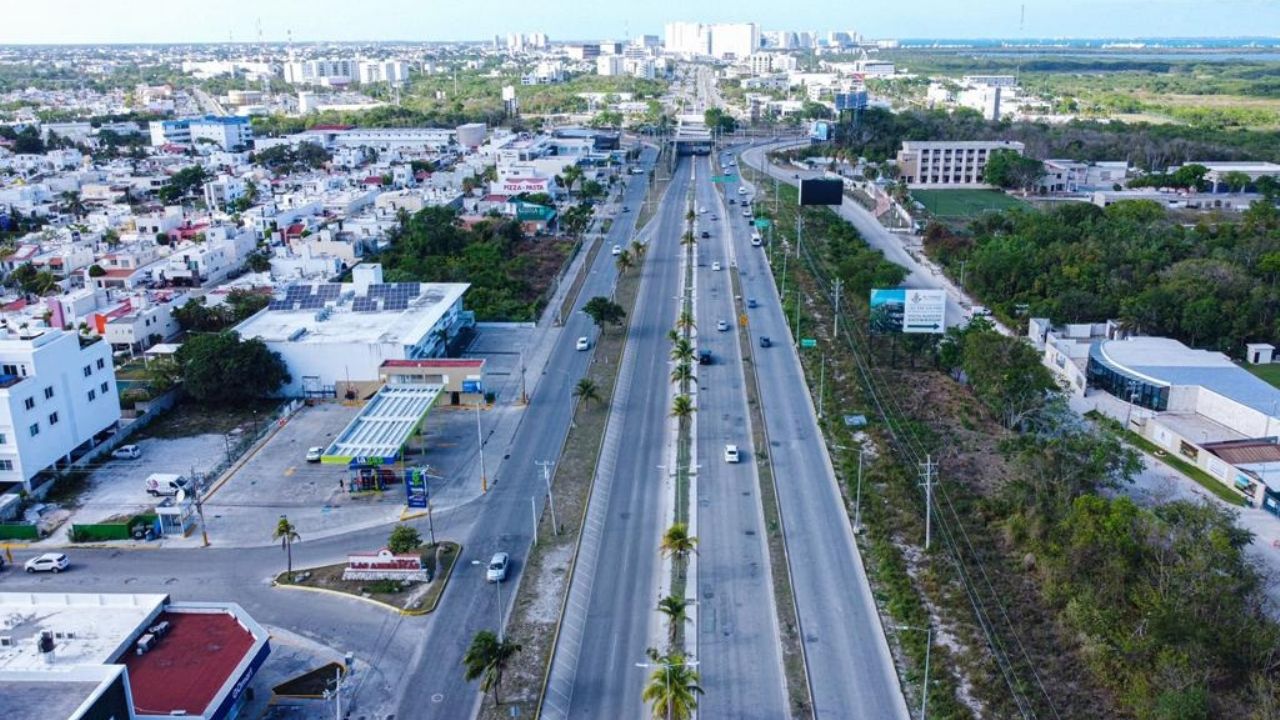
{"x": 416, "y": 661}
{"x": 740, "y": 659}
{"x": 851, "y": 671}
{"x": 611, "y": 616}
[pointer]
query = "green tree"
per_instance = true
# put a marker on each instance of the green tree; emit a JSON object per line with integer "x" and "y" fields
{"x": 486, "y": 658}
{"x": 287, "y": 534}
{"x": 604, "y": 311}
{"x": 682, "y": 407}
{"x": 1236, "y": 181}
{"x": 685, "y": 322}
{"x": 677, "y": 543}
{"x": 1006, "y": 375}
{"x": 623, "y": 262}
{"x": 674, "y": 609}
{"x": 403, "y": 539}
{"x": 672, "y": 690}
{"x": 222, "y": 369}
{"x": 682, "y": 351}
{"x": 1011, "y": 169}
{"x": 683, "y": 373}
{"x": 586, "y": 391}
{"x": 571, "y": 175}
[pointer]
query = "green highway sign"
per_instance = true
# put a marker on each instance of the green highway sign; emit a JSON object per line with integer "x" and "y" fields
{"x": 724, "y": 178}
{"x": 808, "y": 343}
{"x": 762, "y": 223}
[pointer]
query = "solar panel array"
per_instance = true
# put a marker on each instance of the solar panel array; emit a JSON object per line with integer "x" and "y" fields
{"x": 306, "y": 297}
{"x": 387, "y": 297}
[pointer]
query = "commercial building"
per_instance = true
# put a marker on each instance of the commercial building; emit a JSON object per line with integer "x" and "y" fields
{"x": 327, "y": 72}
{"x": 722, "y": 40}
{"x": 949, "y": 163}
{"x": 1218, "y": 172}
{"x": 228, "y": 133}
{"x": 1197, "y": 405}
{"x": 1070, "y": 176}
{"x": 372, "y": 72}
{"x": 611, "y": 65}
{"x": 334, "y": 337}
{"x": 57, "y": 400}
{"x": 124, "y": 656}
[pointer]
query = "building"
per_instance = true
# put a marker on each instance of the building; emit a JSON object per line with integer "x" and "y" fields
{"x": 332, "y": 334}
{"x": 228, "y": 133}
{"x": 372, "y": 72}
{"x": 1218, "y": 172}
{"x": 1197, "y": 405}
{"x": 1070, "y": 176}
{"x": 686, "y": 38}
{"x": 611, "y": 65}
{"x": 125, "y": 656}
{"x": 949, "y": 163}
{"x": 1005, "y": 81}
{"x": 326, "y": 72}
{"x": 57, "y": 400}
{"x": 586, "y": 51}
{"x": 721, "y": 40}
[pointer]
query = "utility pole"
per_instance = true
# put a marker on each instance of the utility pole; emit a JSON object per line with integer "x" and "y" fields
{"x": 835, "y": 327}
{"x": 822, "y": 384}
{"x": 551, "y": 500}
{"x": 533, "y": 506}
{"x": 857, "y": 503}
{"x": 524, "y": 395}
{"x": 484, "y": 478}
{"x": 204, "y": 529}
{"x": 962, "y": 264}
{"x": 929, "y": 468}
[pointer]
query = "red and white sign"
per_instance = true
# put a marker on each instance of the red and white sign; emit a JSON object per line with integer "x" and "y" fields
{"x": 384, "y": 565}
{"x": 515, "y": 186}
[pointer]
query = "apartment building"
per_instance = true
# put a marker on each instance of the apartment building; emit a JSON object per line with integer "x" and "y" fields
{"x": 949, "y": 163}
{"x": 225, "y": 132}
{"x": 57, "y": 395}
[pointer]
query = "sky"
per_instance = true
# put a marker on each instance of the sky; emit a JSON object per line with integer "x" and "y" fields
{"x": 161, "y": 21}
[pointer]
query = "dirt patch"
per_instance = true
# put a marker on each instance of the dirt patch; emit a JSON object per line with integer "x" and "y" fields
{"x": 543, "y": 258}
{"x": 415, "y": 597}
{"x": 544, "y": 605}
{"x": 189, "y": 418}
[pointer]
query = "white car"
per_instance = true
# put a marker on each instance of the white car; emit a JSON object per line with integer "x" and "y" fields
{"x": 617, "y": 249}
{"x": 127, "y": 452}
{"x": 731, "y": 453}
{"x": 722, "y": 325}
{"x": 48, "y": 562}
{"x": 715, "y": 265}
{"x": 314, "y": 453}
{"x": 583, "y": 343}
{"x": 497, "y": 570}
{"x": 742, "y": 191}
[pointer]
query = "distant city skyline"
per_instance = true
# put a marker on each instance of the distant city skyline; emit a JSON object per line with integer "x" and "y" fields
{"x": 177, "y": 21}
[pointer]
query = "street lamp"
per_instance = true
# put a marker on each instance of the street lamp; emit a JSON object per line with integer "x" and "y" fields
{"x": 857, "y": 503}
{"x": 928, "y": 647}
{"x": 484, "y": 478}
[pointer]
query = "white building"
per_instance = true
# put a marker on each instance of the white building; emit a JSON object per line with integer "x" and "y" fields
{"x": 327, "y": 72}
{"x": 56, "y": 398}
{"x": 734, "y": 40}
{"x": 330, "y": 334}
{"x": 225, "y": 132}
{"x": 372, "y": 72}
{"x": 948, "y": 163}
{"x": 610, "y": 65}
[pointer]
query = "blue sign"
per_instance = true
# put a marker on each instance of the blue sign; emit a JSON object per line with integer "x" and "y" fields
{"x": 820, "y": 131}
{"x": 856, "y": 100}
{"x": 230, "y": 704}
{"x": 415, "y": 488}
{"x": 472, "y": 386}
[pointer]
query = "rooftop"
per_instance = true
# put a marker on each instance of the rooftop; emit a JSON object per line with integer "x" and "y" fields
{"x": 1165, "y": 361}
{"x": 89, "y": 629}
{"x": 190, "y": 665}
{"x": 385, "y": 423}
{"x": 328, "y": 313}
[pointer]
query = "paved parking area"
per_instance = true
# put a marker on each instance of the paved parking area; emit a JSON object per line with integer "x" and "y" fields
{"x": 500, "y": 345}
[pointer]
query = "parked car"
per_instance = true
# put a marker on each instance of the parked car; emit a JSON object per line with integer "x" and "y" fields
{"x": 765, "y": 341}
{"x": 48, "y": 562}
{"x": 497, "y": 571}
{"x": 751, "y": 303}
{"x": 732, "y": 201}
{"x": 166, "y": 483}
{"x": 127, "y": 452}
{"x": 583, "y": 343}
{"x": 731, "y": 453}
{"x": 722, "y": 325}
{"x": 314, "y": 453}
{"x": 715, "y": 217}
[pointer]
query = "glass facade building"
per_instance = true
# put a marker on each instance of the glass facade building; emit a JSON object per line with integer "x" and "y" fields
{"x": 1123, "y": 384}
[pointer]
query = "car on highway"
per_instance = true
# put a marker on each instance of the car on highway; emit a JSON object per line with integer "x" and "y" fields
{"x": 755, "y": 239}
{"x": 751, "y": 303}
{"x": 722, "y": 325}
{"x": 714, "y": 218}
{"x": 626, "y": 208}
{"x": 314, "y": 453}
{"x": 617, "y": 249}
{"x": 705, "y": 234}
{"x": 765, "y": 341}
{"x": 731, "y": 453}
{"x": 48, "y": 562}
{"x": 705, "y": 358}
{"x": 715, "y": 266}
{"x": 742, "y": 191}
{"x": 732, "y": 201}
{"x": 497, "y": 570}
{"x": 583, "y": 343}
{"x": 127, "y": 452}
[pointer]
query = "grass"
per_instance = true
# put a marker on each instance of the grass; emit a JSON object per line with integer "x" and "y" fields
{"x": 964, "y": 204}
{"x": 189, "y": 418}
{"x": 572, "y": 481}
{"x": 1269, "y": 372}
{"x": 402, "y": 596}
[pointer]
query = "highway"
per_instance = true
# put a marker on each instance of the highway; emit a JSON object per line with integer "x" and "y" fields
{"x": 851, "y": 671}
{"x": 738, "y": 650}
{"x": 610, "y": 618}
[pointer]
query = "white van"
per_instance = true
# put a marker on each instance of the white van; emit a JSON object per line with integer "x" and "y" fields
{"x": 166, "y": 483}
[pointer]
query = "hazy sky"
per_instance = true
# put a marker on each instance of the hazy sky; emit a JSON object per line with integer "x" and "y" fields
{"x": 90, "y": 21}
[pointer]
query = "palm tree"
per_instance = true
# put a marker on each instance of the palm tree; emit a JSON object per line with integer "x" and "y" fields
{"x": 586, "y": 390}
{"x": 674, "y": 608}
{"x": 486, "y": 659}
{"x": 677, "y": 542}
{"x": 287, "y": 534}
{"x": 673, "y": 335}
{"x": 685, "y": 322}
{"x": 673, "y": 688}
{"x": 624, "y": 262}
{"x": 682, "y": 351}
{"x": 571, "y": 175}
{"x": 682, "y": 407}
{"x": 638, "y": 248}
{"x": 690, "y": 215}
{"x": 683, "y": 373}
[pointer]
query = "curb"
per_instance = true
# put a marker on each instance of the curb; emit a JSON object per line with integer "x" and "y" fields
{"x": 386, "y": 606}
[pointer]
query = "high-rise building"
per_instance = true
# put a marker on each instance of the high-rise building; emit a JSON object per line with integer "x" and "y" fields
{"x": 610, "y": 65}
{"x": 734, "y": 40}
{"x": 686, "y": 38}
{"x": 515, "y": 42}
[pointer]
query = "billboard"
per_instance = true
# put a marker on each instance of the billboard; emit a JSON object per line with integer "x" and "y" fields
{"x": 855, "y": 100}
{"x": 821, "y": 192}
{"x": 908, "y": 310}
{"x": 415, "y": 488}
{"x": 820, "y": 131}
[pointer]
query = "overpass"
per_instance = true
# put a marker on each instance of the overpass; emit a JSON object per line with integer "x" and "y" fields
{"x": 692, "y": 137}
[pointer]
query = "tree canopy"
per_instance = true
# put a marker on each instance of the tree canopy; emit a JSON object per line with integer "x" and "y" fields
{"x": 222, "y": 369}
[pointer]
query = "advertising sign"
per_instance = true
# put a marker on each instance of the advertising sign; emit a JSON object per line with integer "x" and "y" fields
{"x": 472, "y": 386}
{"x": 908, "y": 310}
{"x": 820, "y": 131}
{"x": 515, "y": 186}
{"x": 821, "y": 192}
{"x": 415, "y": 488}
{"x": 808, "y": 343}
{"x": 856, "y": 100}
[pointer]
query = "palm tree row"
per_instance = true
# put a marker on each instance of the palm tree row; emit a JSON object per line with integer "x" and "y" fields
{"x": 672, "y": 690}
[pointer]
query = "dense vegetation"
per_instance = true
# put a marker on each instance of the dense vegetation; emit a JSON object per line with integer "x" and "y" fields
{"x": 196, "y": 316}
{"x": 880, "y": 133}
{"x": 223, "y": 369}
{"x": 1168, "y": 608}
{"x": 1212, "y": 285}
{"x": 431, "y": 246}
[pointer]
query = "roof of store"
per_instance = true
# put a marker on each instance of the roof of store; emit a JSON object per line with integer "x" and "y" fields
{"x": 189, "y": 665}
{"x": 1168, "y": 362}
{"x": 89, "y": 628}
{"x": 385, "y": 424}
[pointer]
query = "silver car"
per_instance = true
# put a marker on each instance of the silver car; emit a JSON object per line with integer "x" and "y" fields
{"x": 497, "y": 571}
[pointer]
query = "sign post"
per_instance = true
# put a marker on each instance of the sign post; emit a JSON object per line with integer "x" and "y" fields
{"x": 908, "y": 310}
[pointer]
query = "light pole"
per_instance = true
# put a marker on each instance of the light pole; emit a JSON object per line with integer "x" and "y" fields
{"x": 928, "y": 647}
{"x": 857, "y": 503}
{"x": 484, "y": 478}
{"x": 551, "y": 499}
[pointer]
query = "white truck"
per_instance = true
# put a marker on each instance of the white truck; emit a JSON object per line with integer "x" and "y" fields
{"x": 166, "y": 483}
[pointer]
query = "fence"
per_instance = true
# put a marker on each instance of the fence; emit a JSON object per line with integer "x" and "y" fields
{"x": 19, "y": 531}
{"x": 111, "y": 531}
